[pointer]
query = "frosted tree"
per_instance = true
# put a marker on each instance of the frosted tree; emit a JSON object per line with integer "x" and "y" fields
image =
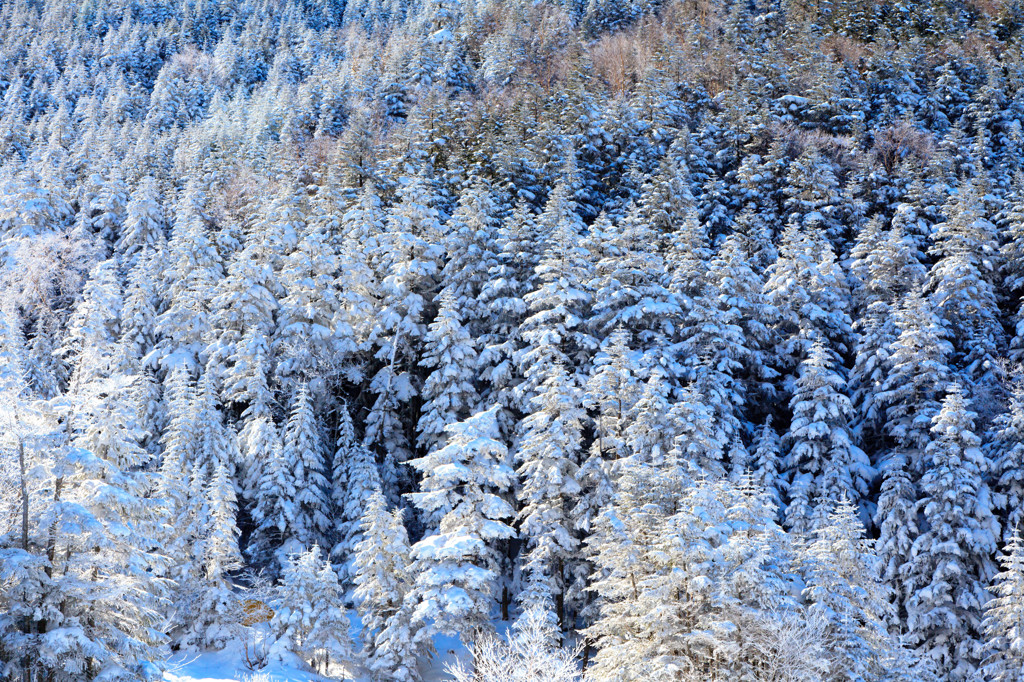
{"x": 274, "y": 511}
{"x": 145, "y": 222}
{"x": 697, "y": 446}
{"x": 194, "y": 266}
{"x": 354, "y": 480}
{"x": 823, "y": 462}
{"x": 448, "y": 393}
{"x": 213, "y": 618}
{"x": 470, "y": 250}
{"x": 896, "y": 517}
{"x": 1005, "y": 452}
{"x": 509, "y": 280}
{"x": 409, "y": 253}
{"x": 952, "y": 558}
{"x": 809, "y": 296}
{"x": 765, "y": 462}
{"x": 531, "y": 654}
{"x": 555, "y": 331}
{"x": 887, "y": 268}
{"x": 739, "y": 293}
{"x": 646, "y": 437}
{"x": 961, "y": 282}
{"x": 630, "y": 286}
{"x": 548, "y": 457}
{"x": 456, "y": 569}
{"x": 919, "y": 373}
{"x": 843, "y": 586}
{"x": 383, "y": 581}
{"x": 382, "y": 577}
{"x": 215, "y": 443}
{"x": 138, "y": 315}
{"x": 89, "y": 548}
{"x": 243, "y": 315}
{"x": 306, "y": 343}
{"x": 178, "y": 454}
{"x": 310, "y": 618}
{"x": 1004, "y": 618}
{"x": 675, "y": 563}
{"x": 611, "y": 390}
{"x": 303, "y": 455}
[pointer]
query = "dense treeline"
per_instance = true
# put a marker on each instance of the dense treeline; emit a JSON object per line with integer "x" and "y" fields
{"x": 687, "y": 330}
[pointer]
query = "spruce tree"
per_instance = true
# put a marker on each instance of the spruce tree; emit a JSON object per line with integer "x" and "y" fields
{"x": 951, "y": 561}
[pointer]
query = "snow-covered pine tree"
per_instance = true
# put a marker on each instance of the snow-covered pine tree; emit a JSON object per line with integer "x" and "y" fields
{"x": 448, "y": 393}
{"x": 310, "y": 618}
{"x": 918, "y": 374}
{"x": 843, "y": 586}
{"x": 809, "y": 296}
{"x": 548, "y": 454}
{"x": 382, "y": 575}
{"x": 354, "y": 480}
{"x": 1005, "y": 454}
{"x": 896, "y": 518}
{"x": 145, "y": 224}
{"x": 765, "y": 463}
{"x": 194, "y": 266}
{"x": 383, "y": 579}
{"x": 1004, "y": 617}
{"x": 470, "y": 248}
{"x": 961, "y": 282}
{"x": 952, "y": 559}
{"x": 89, "y": 555}
{"x": 307, "y": 343}
{"x": 465, "y": 484}
{"x": 555, "y": 331}
{"x": 215, "y": 615}
{"x": 303, "y": 455}
{"x": 823, "y": 463}
{"x": 675, "y": 562}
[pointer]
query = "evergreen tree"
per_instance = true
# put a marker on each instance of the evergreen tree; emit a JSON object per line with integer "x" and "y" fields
{"x": 919, "y": 373}
{"x": 303, "y": 456}
{"x": 456, "y": 569}
{"x": 1005, "y": 454}
{"x": 448, "y": 392}
{"x": 1003, "y": 618}
{"x": 823, "y": 462}
{"x": 309, "y": 611}
{"x": 961, "y": 280}
{"x": 217, "y": 613}
{"x": 952, "y": 558}
{"x": 548, "y": 456}
{"x": 355, "y": 479}
{"x": 842, "y": 585}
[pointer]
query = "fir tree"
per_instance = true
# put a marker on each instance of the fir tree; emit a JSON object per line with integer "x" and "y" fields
{"x": 952, "y": 558}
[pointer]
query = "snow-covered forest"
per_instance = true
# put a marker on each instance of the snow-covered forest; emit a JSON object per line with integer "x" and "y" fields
{"x": 616, "y": 340}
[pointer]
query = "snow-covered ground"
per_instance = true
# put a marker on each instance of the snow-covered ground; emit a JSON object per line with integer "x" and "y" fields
{"x": 228, "y": 665}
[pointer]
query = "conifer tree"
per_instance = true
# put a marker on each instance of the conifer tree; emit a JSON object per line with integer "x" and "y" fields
{"x": 1004, "y": 619}
{"x": 961, "y": 281}
{"x": 216, "y": 614}
{"x": 448, "y": 392}
{"x": 464, "y": 485}
{"x": 1005, "y": 453}
{"x": 952, "y": 558}
{"x": 843, "y": 586}
{"x": 355, "y": 479}
{"x": 918, "y": 374}
{"x": 897, "y": 520}
{"x": 303, "y": 456}
{"x": 309, "y": 611}
{"x": 548, "y": 456}
{"x": 824, "y": 464}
